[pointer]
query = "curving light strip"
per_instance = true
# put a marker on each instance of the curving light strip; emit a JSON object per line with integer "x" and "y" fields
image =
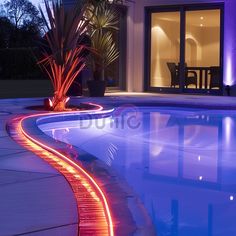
{"x": 72, "y": 171}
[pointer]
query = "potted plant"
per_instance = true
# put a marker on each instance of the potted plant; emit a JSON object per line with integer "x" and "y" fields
{"x": 63, "y": 56}
{"x": 104, "y": 51}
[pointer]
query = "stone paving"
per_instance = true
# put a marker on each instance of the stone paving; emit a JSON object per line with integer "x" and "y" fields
{"x": 35, "y": 198}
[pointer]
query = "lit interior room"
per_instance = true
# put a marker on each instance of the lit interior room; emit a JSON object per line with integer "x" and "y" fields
{"x": 202, "y": 48}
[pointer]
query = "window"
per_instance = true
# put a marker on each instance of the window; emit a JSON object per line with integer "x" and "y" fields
{"x": 184, "y": 49}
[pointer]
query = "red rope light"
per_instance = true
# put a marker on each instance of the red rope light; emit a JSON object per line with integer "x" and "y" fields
{"x": 94, "y": 214}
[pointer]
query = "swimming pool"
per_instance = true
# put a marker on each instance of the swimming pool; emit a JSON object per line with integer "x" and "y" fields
{"x": 180, "y": 161}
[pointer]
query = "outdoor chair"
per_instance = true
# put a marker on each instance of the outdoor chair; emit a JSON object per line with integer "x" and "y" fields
{"x": 214, "y": 77}
{"x": 190, "y": 76}
{"x": 173, "y": 73}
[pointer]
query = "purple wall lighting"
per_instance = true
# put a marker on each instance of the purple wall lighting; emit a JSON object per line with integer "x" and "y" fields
{"x": 230, "y": 43}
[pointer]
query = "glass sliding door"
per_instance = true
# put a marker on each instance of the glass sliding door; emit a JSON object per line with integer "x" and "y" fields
{"x": 184, "y": 49}
{"x": 165, "y": 42}
{"x": 202, "y": 49}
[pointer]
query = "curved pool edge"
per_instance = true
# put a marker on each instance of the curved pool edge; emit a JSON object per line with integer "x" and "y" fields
{"x": 160, "y": 100}
{"x": 83, "y": 186}
{"x": 128, "y": 212}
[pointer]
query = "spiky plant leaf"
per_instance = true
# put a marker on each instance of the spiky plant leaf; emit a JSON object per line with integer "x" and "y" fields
{"x": 103, "y": 16}
{"x": 105, "y": 48}
{"x": 104, "y": 20}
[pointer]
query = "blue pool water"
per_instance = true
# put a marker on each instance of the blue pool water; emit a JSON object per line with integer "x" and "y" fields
{"x": 181, "y": 163}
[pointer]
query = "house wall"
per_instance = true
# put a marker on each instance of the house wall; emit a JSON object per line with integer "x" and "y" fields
{"x": 135, "y": 53}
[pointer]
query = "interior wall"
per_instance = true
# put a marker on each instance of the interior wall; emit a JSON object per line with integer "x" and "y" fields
{"x": 206, "y": 40}
{"x": 164, "y": 48}
{"x": 211, "y": 46}
{"x": 194, "y": 46}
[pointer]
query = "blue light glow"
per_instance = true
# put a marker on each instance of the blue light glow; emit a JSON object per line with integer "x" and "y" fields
{"x": 178, "y": 161}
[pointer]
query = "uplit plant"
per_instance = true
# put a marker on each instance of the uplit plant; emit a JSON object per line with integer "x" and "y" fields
{"x": 63, "y": 58}
{"x": 103, "y": 21}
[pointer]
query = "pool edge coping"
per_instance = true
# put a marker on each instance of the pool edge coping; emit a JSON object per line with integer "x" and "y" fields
{"x": 31, "y": 126}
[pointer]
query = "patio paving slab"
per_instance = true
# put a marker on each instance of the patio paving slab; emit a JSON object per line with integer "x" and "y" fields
{"x": 15, "y": 177}
{"x": 62, "y": 230}
{"x": 33, "y": 202}
{"x": 35, "y": 199}
{"x": 24, "y": 161}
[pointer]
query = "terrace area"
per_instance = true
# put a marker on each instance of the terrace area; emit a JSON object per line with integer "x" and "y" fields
{"x": 36, "y": 199}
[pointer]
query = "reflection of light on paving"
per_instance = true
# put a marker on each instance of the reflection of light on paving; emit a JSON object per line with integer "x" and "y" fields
{"x": 94, "y": 214}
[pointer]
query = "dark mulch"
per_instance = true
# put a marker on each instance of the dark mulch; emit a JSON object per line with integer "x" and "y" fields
{"x": 80, "y": 107}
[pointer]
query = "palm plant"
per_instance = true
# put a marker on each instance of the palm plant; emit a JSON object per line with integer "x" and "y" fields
{"x": 63, "y": 59}
{"x": 103, "y": 21}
